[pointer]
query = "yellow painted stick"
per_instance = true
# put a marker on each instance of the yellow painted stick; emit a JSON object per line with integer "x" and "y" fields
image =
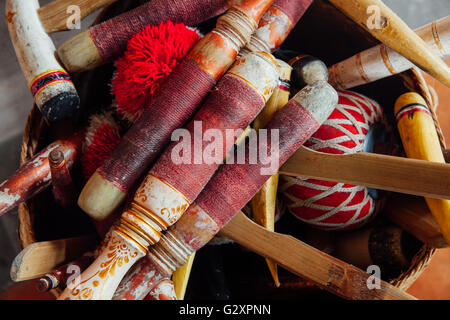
{"x": 180, "y": 277}
{"x": 395, "y": 33}
{"x": 420, "y": 141}
{"x": 263, "y": 203}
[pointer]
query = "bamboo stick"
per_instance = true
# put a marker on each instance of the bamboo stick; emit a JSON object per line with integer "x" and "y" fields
{"x": 396, "y": 34}
{"x": 420, "y": 141}
{"x": 326, "y": 271}
{"x": 374, "y": 171}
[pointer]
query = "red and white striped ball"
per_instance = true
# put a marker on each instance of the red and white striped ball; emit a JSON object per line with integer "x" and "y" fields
{"x": 330, "y": 205}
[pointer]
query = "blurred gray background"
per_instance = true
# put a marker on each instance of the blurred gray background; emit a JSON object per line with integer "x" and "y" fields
{"x": 16, "y": 101}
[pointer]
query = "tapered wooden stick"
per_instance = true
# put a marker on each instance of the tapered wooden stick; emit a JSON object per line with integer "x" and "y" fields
{"x": 263, "y": 203}
{"x": 327, "y": 272}
{"x": 40, "y": 258}
{"x": 381, "y": 61}
{"x": 420, "y": 141}
{"x": 394, "y": 33}
{"x": 374, "y": 171}
{"x": 54, "y": 15}
{"x": 180, "y": 277}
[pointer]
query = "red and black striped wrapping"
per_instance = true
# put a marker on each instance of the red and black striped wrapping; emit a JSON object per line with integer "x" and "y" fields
{"x": 232, "y": 105}
{"x": 111, "y": 37}
{"x": 178, "y": 98}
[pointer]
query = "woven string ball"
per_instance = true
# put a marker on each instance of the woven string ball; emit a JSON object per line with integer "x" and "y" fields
{"x": 330, "y": 205}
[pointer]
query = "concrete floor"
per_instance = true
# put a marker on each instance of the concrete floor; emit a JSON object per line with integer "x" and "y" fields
{"x": 16, "y": 101}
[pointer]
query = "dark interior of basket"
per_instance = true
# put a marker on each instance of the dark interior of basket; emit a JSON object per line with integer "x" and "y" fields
{"x": 323, "y": 32}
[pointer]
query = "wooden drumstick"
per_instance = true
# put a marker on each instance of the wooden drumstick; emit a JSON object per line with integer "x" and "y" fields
{"x": 381, "y": 61}
{"x": 420, "y": 141}
{"x": 263, "y": 203}
{"x": 179, "y": 96}
{"x": 51, "y": 86}
{"x": 394, "y": 33}
{"x": 54, "y": 15}
{"x": 172, "y": 185}
{"x": 329, "y": 273}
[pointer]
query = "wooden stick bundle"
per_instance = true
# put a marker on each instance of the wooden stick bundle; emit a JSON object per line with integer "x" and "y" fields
{"x": 235, "y": 184}
{"x": 230, "y": 189}
{"x": 381, "y": 61}
{"x": 171, "y": 186}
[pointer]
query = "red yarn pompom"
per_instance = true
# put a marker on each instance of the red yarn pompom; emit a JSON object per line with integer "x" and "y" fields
{"x": 151, "y": 56}
{"x": 330, "y": 205}
{"x": 102, "y": 136}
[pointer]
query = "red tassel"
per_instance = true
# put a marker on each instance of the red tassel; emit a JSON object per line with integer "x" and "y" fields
{"x": 151, "y": 56}
{"x": 102, "y": 136}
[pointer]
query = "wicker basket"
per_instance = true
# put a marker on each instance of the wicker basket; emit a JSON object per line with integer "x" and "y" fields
{"x": 332, "y": 39}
